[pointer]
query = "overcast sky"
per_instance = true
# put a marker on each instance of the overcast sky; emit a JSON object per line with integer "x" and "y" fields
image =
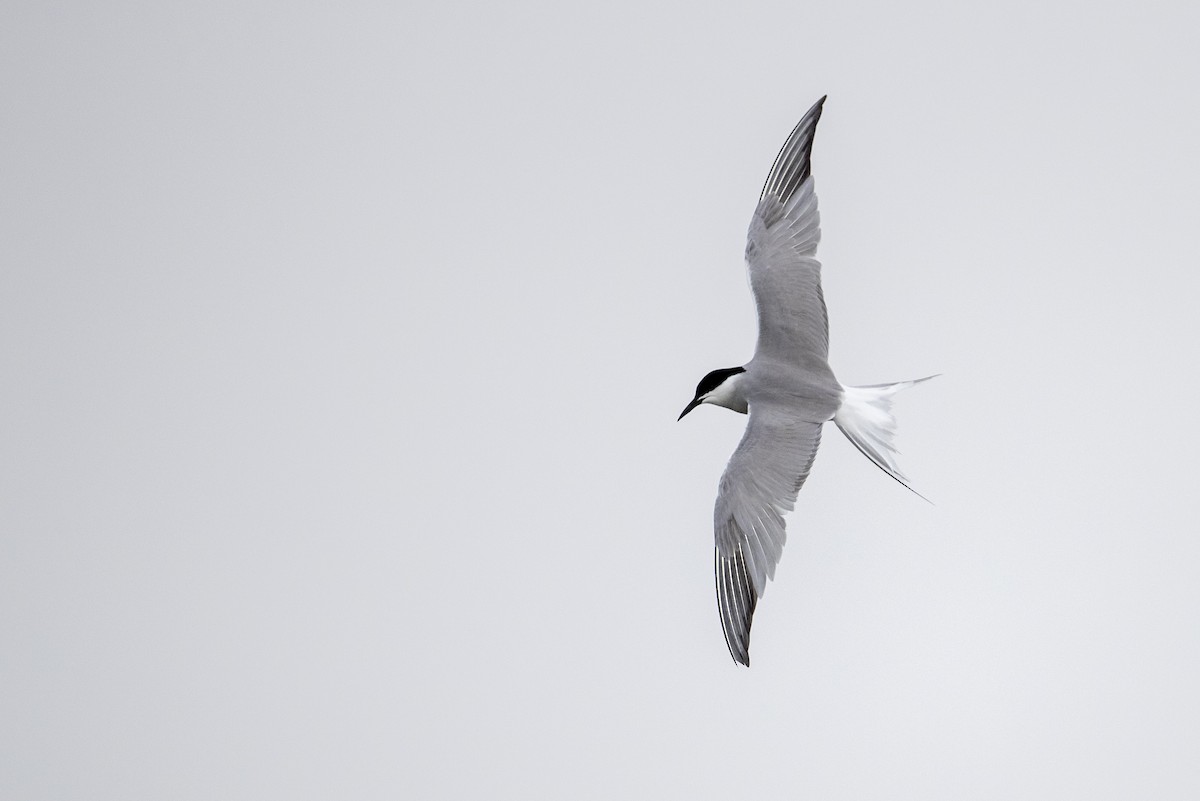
{"x": 341, "y": 350}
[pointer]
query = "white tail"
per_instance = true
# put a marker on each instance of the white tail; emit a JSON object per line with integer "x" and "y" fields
{"x": 866, "y": 418}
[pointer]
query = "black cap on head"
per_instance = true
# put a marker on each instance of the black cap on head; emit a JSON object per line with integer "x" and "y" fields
{"x": 710, "y": 382}
{"x": 715, "y": 379}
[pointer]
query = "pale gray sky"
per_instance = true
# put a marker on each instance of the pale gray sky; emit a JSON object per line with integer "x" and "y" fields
{"x": 342, "y": 350}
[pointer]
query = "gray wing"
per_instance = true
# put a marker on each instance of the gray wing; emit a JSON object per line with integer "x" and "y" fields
{"x": 759, "y": 486}
{"x": 780, "y": 253}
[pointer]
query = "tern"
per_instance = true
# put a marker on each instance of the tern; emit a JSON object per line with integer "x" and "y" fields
{"x": 787, "y": 388}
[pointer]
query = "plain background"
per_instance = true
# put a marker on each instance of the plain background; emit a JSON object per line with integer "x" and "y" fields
{"x": 341, "y": 350}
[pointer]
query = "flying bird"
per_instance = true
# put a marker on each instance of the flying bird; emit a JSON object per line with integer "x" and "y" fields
{"x": 788, "y": 390}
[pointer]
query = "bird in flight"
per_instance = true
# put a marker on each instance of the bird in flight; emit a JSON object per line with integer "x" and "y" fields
{"x": 788, "y": 389}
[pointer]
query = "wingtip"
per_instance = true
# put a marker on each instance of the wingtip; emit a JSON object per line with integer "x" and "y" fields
{"x": 741, "y": 656}
{"x": 736, "y": 600}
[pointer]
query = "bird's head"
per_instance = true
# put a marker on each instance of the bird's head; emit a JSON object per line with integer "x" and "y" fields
{"x": 720, "y": 387}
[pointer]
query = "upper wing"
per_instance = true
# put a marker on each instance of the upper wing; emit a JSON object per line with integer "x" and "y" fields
{"x": 780, "y": 252}
{"x": 760, "y": 484}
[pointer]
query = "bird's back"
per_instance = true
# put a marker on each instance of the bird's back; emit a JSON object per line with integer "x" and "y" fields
{"x": 805, "y": 386}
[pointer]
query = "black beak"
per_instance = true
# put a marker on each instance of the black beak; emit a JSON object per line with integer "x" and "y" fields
{"x": 690, "y": 406}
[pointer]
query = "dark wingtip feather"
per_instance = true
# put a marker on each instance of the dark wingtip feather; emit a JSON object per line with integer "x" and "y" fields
{"x": 736, "y": 601}
{"x": 793, "y": 165}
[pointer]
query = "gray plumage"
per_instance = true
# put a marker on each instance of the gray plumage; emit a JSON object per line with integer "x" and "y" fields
{"x": 788, "y": 389}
